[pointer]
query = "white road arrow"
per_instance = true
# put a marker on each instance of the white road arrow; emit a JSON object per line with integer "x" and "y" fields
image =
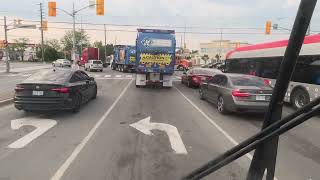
{"x": 145, "y": 126}
{"x": 42, "y": 126}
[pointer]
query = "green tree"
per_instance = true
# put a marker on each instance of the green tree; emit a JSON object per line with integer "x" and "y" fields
{"x": 52, "y": 50}
{"x": 82, "y": 40}
{"x": 205, "y": 58}
{"x": 19, "y": 47}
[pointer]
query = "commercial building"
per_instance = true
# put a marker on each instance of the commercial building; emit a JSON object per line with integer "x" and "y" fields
{"x": 217, "y": 48}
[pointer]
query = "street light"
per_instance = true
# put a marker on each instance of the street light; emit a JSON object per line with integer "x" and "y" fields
{"x": 52, "y": 12}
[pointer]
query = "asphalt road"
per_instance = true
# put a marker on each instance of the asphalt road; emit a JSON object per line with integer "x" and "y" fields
{"x": 100, "y": 141}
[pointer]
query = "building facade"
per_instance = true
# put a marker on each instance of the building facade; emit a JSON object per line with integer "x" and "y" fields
{"x": 219, "y": 48}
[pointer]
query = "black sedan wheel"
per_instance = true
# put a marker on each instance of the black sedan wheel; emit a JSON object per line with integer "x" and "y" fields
{"x": 95, "y": 92}
{"x": 201, "y": 93}
{"x": 76, "y": 103}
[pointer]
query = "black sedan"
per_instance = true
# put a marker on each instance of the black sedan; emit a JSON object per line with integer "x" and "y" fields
{"x": 55, "y": 89}
{"x": 237, "y": 93}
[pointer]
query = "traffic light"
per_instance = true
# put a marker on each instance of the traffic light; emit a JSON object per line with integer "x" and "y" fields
{"x": 45, "y": 25}
{"x": 3, "y": 43}
{"x": 52, "y": 9}
{"x": 268, "y": 27}
{"x": 100, "y": 7}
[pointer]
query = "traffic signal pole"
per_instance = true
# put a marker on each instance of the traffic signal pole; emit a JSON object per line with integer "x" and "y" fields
{"x": 74, "y": 35}
{"x": 6, "y": 40}
{"x": 42, "y": 41}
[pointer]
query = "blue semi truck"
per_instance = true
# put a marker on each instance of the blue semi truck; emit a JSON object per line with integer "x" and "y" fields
{"x": 155, "y": 52}
{"x": 124, "y": 58}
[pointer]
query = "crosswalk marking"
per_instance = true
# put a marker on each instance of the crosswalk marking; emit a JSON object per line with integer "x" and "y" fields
{"x": 118, "y": 76}
{"x": 107, "y": 76}
{"x": 129, "y": 76}
{"x": 97, "y": 76}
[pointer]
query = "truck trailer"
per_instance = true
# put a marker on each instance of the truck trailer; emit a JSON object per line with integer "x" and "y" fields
{"x": 124, "y": 58}
{"x": 155, "y": 53}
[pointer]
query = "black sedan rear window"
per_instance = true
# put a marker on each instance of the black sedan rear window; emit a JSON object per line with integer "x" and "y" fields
{"x": 247, "y": 81}
{"x": 97, "y": 62}
{"x": 50, "y": 75}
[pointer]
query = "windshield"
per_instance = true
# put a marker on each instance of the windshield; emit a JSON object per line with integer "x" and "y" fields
{"x": 159, "y": 89}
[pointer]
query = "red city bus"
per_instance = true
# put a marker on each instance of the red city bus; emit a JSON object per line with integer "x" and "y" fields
{"x": 264, "y": 60}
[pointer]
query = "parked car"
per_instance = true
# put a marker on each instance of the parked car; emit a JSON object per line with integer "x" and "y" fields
{"x": 195, "y": 76}
{"x": 93, "y": 65}
{"x": 61, "y": 63}
{"x": 211, "y": 65}
{"x": 55, "y": 89}
{"x": 237, "y": 93}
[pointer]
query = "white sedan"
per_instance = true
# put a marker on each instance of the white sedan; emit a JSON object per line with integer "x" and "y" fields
{"x": 61, "y": 63}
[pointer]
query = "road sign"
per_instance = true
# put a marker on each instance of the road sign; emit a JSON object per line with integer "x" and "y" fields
{"x": 145, "y": 126}
{"x": 25, "y": 26}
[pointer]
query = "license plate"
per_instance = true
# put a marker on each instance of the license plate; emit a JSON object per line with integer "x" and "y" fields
{"x": 260, "y": 98}
{"x": 37, "y": 93}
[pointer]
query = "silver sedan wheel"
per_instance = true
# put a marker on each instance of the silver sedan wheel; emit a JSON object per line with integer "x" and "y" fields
{"x": 220, "y": 106}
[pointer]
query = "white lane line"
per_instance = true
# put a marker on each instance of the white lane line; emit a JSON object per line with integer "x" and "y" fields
{"x": 118, "y": 76}
{"x": 129, "y": 76}
{"x": 107, "y": 76}
{"x": 212, "y": 122}
{"x": 228, "y": 136}
{"x": 62, "y": 169}
{"x": 97, "y": 76}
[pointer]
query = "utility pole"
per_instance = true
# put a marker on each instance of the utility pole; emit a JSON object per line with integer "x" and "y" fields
{"x": 41, "y": 21}
{"x": 6, "y": 40}
{"x": 220, "y": 44}
{"x": 184, "y": 36}
{"x": 74, "y": 35}
{"x": 105, "y": 41}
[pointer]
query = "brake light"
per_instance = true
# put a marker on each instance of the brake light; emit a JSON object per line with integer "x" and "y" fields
{"x": 238, "y": 93}
{"x": 267, "y": 81}
{"x": 194, "y": 78}
{"x": 18, "y": 88}
{"x": 61, "y": 90}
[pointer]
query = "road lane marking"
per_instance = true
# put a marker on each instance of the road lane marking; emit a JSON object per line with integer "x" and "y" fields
{"x": 62, "y": 169}
{"x": 107, "y": 76}
{"x": 118, "y": 76}
{"x": 42, "y": 126}
{"x": 96, "y": 76}
{"x": 145, "y": 126}
{"x": 129, "y": 76}
{"x": 229, "y": 137}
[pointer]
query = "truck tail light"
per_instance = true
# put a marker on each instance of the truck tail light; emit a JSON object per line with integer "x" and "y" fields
{"x": 238, "y": 93}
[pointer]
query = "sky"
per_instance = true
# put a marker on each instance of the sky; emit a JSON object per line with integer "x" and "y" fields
{"x": 202, "y": 20}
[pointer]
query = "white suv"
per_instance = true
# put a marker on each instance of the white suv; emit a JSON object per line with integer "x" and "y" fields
{"x": 93, "y": 65}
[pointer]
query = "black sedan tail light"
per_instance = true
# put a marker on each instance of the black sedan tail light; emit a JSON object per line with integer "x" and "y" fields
{"x": 64, "y": 90}
{"x": 19, "y": 88}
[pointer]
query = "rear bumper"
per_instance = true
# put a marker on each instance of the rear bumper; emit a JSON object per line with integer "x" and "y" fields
{"x": 42, "y": 104}
{"x": 254, "y": 107}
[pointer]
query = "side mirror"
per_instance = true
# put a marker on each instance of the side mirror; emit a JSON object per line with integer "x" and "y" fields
{"x": 91, "y": 78}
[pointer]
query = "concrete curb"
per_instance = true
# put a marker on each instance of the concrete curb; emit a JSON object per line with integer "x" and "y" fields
{"x": 6, "y": 102}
